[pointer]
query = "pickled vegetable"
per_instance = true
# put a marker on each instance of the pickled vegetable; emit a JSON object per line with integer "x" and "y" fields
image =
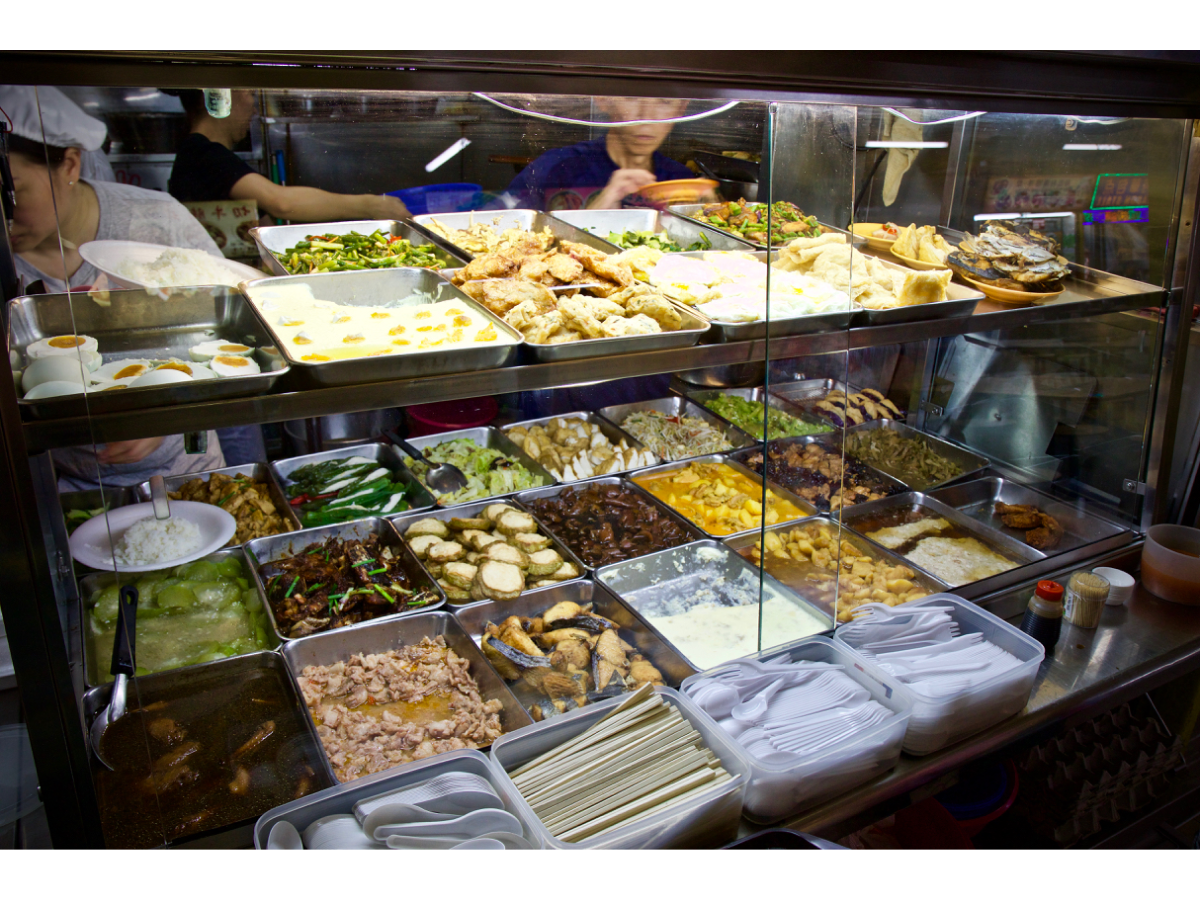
{"x": 910, "y": 459}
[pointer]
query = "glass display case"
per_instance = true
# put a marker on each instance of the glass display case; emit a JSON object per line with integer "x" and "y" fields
{"x": 474, "y": 407}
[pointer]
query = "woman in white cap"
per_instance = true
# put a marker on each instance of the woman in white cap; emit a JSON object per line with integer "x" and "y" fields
{"x": 45, "y": 155}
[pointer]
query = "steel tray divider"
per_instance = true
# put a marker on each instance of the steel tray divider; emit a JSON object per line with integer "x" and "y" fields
{"x": 381, "y": 635}
{"x": 468, "y": 511}
{"x": 385, "y": 455}
{"x": 263, "y": 551}
{"x": 800, "y": 503}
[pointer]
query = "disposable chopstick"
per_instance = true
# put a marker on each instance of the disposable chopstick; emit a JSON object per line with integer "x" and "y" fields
{"x": 637, "y": 704}
{"x": 597, "y": 765}
{"x": 642, "y": 803}
{"x": 721, "y": 777}
{"x": 630, "y": 789}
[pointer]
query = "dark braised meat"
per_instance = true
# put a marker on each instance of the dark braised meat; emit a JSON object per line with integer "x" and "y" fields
{"x": 607, "y": 523}
{"x": 339, "y": 583}
{"x": 820, "y": 476}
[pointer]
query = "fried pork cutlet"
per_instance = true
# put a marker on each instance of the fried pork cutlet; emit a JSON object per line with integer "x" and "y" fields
{"x": 1042, "y": 531}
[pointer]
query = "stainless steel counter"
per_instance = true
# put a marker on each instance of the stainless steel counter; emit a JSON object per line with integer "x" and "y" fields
{"x": 1144, "y": 644}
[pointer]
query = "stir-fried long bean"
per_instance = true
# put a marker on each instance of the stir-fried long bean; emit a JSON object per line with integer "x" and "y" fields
{"x": 342, "y": 252}
{"x": 675, "y": 437}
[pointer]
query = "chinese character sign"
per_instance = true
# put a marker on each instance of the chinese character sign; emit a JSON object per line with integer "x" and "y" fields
{"x": 1038, "y": 194}
{"x": 228, "y": 223}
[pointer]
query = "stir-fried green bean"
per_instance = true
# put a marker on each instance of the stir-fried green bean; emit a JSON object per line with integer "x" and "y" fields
{"x": 343, "y": 252}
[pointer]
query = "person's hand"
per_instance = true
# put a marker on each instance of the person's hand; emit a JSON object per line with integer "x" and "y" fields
{"x": 622, "y": 183}
{"x": 382, "y": 206}
{"x": 124, "y": 452}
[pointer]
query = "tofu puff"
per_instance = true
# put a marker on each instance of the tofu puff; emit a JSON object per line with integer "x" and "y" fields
{"x": 496, "y": 555}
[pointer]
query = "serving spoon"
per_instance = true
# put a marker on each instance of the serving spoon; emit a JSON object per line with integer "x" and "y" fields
{"x": 122, "y": 667}
{"x": 444, "y": 478}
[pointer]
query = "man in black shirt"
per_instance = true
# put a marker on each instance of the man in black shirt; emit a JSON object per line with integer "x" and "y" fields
{"x": 206, "y": 168}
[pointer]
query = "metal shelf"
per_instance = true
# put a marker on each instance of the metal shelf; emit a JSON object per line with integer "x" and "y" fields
{"x": 1084, "y": 298}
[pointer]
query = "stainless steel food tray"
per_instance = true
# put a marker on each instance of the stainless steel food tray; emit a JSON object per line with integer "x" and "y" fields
{"x": 678, "y": 406}
{"x": 720, "y": 458}
{"x": 470, "y": 511}
{"x": 701, "y": 397}
{"x": 526, "y": 497}
{"x": 304, "y": 750}
{"x": 380, "y": 287}
{"x": 865, "y": 545}
{"x": 978, "y": 499}
{"x": 808, "y": 392}
{"x": 274, "y": 239}
{"x": 492, "y": 438}
{"x": 382, "y": 635}
{"x": 256, "y": 471}
{"x": 681, "y": 230}
{"x": 970, "y": 463}
{"x": 385, "y": 455}
{"x": 694, "y": 328}
{"x": 1002, "y": 543}
{"x": 261, "y": 552}
{"x": 614, "y": 434}
{"x": 831, "y": 442}
{"x": 112, "y": 497}
{"x": 524, "y": 219}
{"x": 97, "y": 658}
{"x": 671, "y": 572}
{"x": 340, "y": 799}
{"x": 723, "y": 332}
{"x": 139, "y": 325}
{"x": 960, "y": 301}
{"x": 475, "y": 618}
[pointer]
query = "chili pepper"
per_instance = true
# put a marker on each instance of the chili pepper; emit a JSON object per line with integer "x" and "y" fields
{"x": 298, "y": 500}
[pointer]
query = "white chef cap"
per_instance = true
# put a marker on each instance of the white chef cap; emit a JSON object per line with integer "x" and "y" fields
{"x": 66, "y": 125}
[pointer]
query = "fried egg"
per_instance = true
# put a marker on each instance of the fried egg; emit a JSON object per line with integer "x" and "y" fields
{"x": 229, "y": 366}
{"x": 62, "y": 345}
{"x": 205, "y": 351}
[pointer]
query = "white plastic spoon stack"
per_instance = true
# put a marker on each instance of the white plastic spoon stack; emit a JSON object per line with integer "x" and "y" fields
{"x": 786, "y": 710}
{"x": 640, "y": 759}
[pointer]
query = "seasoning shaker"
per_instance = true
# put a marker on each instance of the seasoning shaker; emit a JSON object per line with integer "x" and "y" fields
{"x": 1086, "y": 595}
{"x": 1043, "y": 616}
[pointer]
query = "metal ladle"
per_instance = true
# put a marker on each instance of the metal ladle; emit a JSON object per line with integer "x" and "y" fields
{"x": 444, "y": 478}
{"x": 122, "y": 667}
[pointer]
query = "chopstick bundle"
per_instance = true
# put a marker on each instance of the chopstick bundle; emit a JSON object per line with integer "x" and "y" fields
{"x": 641, "y": 758}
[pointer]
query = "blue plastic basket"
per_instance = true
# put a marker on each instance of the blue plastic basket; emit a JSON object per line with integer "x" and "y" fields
{"x": 438, "y": 198}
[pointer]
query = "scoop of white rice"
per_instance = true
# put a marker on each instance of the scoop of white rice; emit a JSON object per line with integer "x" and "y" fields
{"x": 150, "y": 541}
{"x": 177, "y": 267}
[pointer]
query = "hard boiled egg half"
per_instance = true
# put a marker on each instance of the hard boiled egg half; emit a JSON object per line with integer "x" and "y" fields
{"x": 208, "y": 349}
{"x": 229, "y": 366}
{"x": 62, "y": 345}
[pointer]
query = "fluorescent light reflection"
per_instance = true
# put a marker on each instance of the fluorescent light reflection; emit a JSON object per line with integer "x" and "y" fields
{"x": 1091, "y": 146}
{"x": 450, "y": 152}
{"x": 983, "y": 217}
{"x": 909, "y": 145}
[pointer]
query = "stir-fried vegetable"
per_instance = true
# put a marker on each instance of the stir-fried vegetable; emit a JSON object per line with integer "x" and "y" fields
{"x": 911, "y": 459}
{"x": 748, "y": 416}
{"x": 675, "y": 437}
{"x": 344, "y": 489}
{"x": 749, "y": 220}
{"x": 342, "y": 252}
{"x": 657, "y": 240}
{"x": 489, "y": 472}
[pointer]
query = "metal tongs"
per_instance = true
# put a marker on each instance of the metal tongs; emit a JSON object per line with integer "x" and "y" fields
{"x": 123, "y": 667}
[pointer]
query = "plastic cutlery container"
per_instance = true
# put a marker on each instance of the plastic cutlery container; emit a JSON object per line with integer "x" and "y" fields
{"x": 937, "y": 723}
{"x": 707, "y": 820}
{"x": 775, "y": 791}
{"x": 340, "y": 799}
